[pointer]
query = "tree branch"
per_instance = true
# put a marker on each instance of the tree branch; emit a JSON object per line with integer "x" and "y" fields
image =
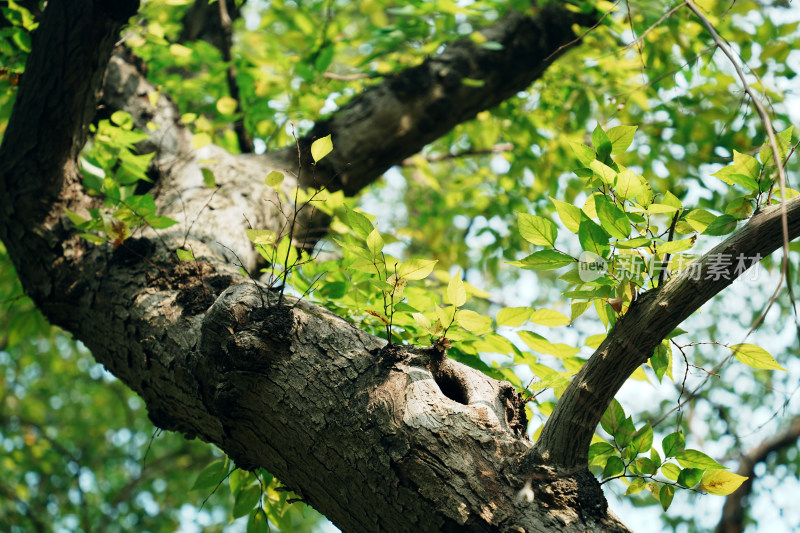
{"x": 397, "y": 117}
{"x": 565, "y": 438}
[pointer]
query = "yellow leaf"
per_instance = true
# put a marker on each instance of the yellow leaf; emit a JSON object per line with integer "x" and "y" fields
{"x": 200, "y": 140}
{"x": 274, "y": 178}
{"x": 178, "y": 50}
{"x": 321, "y": 147}
{"x": 474, "y": 322}
{"x": 548, "y": 317}
{"x": 755, "y": 356}
{"x": 513, "y": 316}
{"x": 227, "y": 105}
{"x": 721, "y": 482}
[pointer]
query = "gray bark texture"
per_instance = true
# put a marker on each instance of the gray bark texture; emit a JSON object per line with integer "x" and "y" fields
{"x": 376, "y": 437}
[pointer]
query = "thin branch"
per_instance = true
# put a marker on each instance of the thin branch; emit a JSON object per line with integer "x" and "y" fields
{"x": 773, "y": 143}
{"x": 577, "y": 39}
{"x": 496, "y": 149}
{"x": 245, "y": 142}
{"x": 352, "y": 77}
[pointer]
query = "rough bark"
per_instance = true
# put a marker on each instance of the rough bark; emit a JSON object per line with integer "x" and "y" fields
{"x": 363, "y": 431}
{"x": 418, "y": 105}
{"x": 374, "y": 436}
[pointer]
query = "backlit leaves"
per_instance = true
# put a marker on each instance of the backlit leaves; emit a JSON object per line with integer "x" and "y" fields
{"x": 755, "y": 356}
{"x": 321, "y": 147}
{"x": 536, "y": 229}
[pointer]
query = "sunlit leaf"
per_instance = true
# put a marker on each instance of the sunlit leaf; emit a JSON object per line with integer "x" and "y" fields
{"x": 536, "y": 229}
{"x": 721, "y": 482}
{"x": 456, "y": 293}
{"x": 513, "y": 316}
{"x": 321, "y": 147}
{"x": 755, "y": 356}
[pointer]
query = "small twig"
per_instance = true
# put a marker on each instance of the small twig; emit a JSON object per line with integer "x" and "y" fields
{"x": 577, "y": 39}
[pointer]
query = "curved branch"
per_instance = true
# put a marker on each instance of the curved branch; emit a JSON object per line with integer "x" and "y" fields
{"x": 565, "y": 438}
{"x": 399, "y": 116}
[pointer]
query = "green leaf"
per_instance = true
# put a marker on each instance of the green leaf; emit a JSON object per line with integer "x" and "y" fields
{"x": 614, "y": 467}
{"x": 274, "y": 179}
{"x": 612, "y": 219}
{"x": 629, "y": 185}
{"x": 208, "y": 178}
{"x": 258, "y": 522}
{"x": 636, "y": 486}
{"x": 784, "y": 141}
{"x": 722, "y": 225}
{"x": 671, "y": 471}
{"x": 321, "y": 147}
{"x": 246, "y": 501}
{"x": 696, "y": 459}
{"x": 721, "y": 482}
{"x": 660, "y": 209}
{"x": 699, "y": 219}
{"x": 359, "y": 223}
{"x": 548, "y": 317}
{"x": 689, "y": 477}
{"x": 671, "y": 199}
{"x": 544, "y": 260}
{"x": 601, "y": 143}
{"x": 606, "y": 174}
{"x": 569, "y": 214}
{"x": 415, "y": 269}
{"x": 600, "y": 452}
{"x": 621, "y": 138}
{"x": 184, "y": 255}
{"x": 593, "y": 238}
{"x": 513, "y": 316}
{"x": 264, "y": 237}
{"x": 211, "y": 476}
{"x": 744, "y": 171}
{"x": 583, "y": 153}
{"x": 375, "y": 242}
{"x": 456, "y": 293}
{"x": 643, "y": 439}
{"x": 755, "y": 356}
{"x": 672, "y": 247}
{"x": 537, "y": 230}
{"x": 473, "y": 322}
{"x": 673, "y": 444}
{"x": 613, "y": 417}
{"x": 665, "y": 496}
{"x": 646, "y": 466}
{"x": 542, "y": 345}
{"x": 636, "y": 242}
{"x": 661, "y": 361}
{"x": 625, "y": 432}
{"x": 159, "y": 222}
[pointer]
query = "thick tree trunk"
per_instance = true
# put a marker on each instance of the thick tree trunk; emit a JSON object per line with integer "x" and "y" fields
{"x": 376, "y": 437}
